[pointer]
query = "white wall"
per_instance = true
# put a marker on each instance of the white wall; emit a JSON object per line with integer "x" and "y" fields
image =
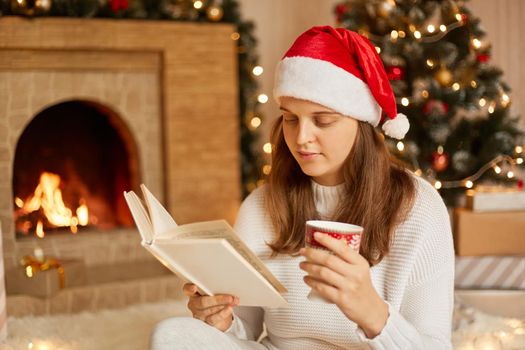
{"x": 279, "y": 22}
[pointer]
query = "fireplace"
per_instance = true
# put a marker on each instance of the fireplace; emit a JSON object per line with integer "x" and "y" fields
{"x": 92, "y": 107}
{"x": 72, "y": 163}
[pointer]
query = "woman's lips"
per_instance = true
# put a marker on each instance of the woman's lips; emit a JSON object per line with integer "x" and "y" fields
{"x": 307, "y": 155}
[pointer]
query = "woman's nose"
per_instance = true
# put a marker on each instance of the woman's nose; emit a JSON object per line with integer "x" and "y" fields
{"x": 305, "y": 133}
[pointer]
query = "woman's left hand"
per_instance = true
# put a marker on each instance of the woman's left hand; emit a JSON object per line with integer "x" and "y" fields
{"x": 343, "y": 278}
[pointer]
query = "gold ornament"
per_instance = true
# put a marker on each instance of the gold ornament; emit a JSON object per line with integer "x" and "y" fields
{"x": 384, "y": 8}
{"x": 444, "y": 77}
{"x": 214, "y": 13}
{"x": 30, "y": 8}
{"x": 43, "y": 6}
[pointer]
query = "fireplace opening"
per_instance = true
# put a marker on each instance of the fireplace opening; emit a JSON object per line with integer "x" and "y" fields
{"x": 72, "y": 163}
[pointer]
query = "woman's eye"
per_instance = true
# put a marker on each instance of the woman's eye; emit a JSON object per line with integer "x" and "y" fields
{"x": 324, "y": 121}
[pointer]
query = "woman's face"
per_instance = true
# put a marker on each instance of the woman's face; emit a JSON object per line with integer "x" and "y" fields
{"x": 318, "y": 138}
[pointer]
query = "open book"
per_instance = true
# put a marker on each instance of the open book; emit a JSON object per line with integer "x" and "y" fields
{"x": 209, "y": 254}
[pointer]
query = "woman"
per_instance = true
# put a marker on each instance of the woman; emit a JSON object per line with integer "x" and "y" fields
{"x": 330, "y": 163}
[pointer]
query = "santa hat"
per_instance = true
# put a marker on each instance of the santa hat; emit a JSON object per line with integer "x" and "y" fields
{"x": 341, "y": 70}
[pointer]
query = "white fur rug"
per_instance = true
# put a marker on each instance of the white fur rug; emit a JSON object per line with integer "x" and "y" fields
{"x": 130, "y": 328}
{"x": 107, "y": 329}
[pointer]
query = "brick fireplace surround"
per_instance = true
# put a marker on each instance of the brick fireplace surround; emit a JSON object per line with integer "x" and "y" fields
{"x": 173, "y": 85}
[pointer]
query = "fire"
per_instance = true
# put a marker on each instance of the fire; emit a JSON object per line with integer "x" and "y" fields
{"x": 48, "y": 197}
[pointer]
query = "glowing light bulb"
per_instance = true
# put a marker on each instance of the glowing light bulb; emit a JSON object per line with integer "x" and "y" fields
{"x": 430, "y": 63}
{"x": 262, "y": 98}
{"x": 476, "y": 43}
{"x": 400, "y": 146}
{"x": 455, "y": 86}
{"x": 394, "y": 34}
{"x": 443, "y": 28}
{"x": 266, "y": 169}
{"x": 519, "y": 160}
{"x": 378, "y": 49}
{"x": 235, "y": 36}
{"x": 497, "y": 169}
{"x": 473, "y": 84}
{"x": 510, "y": 174}
{"x": 404, "y": 101}
{"x": 431, "y": 28}
{"x": 469, "y": 184}
{"x": 255, "y": 122}
{"x": 198, "y": 4}
{"x": 257, "y": 70}
{"x": 518, "y": 149}
{"x": 437, "y": 185}
{"x": 417, "y": 34}
{"x": 267, "y": 148}
{"x": 482, "y": 102}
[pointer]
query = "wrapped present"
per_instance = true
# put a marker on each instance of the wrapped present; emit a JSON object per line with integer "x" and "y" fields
{"x": 495, "y": 198}
{"x": 490, "y": 233}
{"x": 490, "y": 272}
{"x": 44, "y": 277}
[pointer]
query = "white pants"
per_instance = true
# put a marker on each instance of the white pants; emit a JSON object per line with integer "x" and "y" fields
{"x": 188, "y": 333}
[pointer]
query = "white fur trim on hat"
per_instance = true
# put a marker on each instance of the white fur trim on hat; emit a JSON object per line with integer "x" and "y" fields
{"x": 324, "y": 83}
{"x": 397, "y": 127}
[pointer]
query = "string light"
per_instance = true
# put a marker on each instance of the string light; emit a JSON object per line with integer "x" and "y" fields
{"x": 492, "y": 107}
{"x": 430, "y": 63}
{"x": 262, "y": 98}
{"x": 476, "y": 43}
{"x": 378, "y": 49}
{"x": 400, "y": 146}
{"x": 482, "y": 102}
{"x": 473, "y": 84}
{"x": 455, "y": 86}
{"x": 519, "y": 160}
{"x": 257, "y": 70}
{"x": 267, "y": 148}
{"x": 235, "y": 36}
{"x": 431, "y": 28}
{"x": 198, "y": 4}
{"x": 433, "y": 37}
{"x": 394, "y": 35}
{"x": 518, "y": 149}
{"x": 266, "y": 169}
{"x": 404, "y": 101}
{"x": 437, "y": 185}
{"x": 425, "y": 93}
{"x": 255, "y": 122}
{"x": 469, "y": 184}
{"x": 492, "y": 164}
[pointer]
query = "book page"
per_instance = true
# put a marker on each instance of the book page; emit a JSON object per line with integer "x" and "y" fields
{"x": 161, "y": 220}
{"x": 139, "y": 214}
{"x": 221, "y": 229}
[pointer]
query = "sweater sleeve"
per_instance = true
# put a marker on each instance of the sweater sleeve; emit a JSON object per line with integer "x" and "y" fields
{"x": 247, "y": 323}
{"x": 248, "y": 320}
{"x": 424, "y": 318}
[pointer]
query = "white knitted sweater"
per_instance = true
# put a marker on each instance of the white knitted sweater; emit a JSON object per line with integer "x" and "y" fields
{"x": 415, "y": 279}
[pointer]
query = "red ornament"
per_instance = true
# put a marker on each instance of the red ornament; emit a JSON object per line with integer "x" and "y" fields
{"x": 395, "y": 72}
{"x": 464, "y": 17}
{"x": 519, "y": 184}
{"x": 439, "y": 161}
{"x": 117, "y": 5}
{"x": 483, "y": 58}
{"x": 340, "y": 10}
{"x": 435, "y": 106}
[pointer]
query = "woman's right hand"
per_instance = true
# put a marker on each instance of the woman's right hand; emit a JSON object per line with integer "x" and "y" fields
{"x": 214, "y": 310}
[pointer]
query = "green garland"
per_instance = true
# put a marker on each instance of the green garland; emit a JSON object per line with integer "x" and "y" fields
{"x": 225, "y": 11}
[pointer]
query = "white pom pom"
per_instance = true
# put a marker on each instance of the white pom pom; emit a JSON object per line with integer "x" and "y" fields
{"x": 397, "y": 127}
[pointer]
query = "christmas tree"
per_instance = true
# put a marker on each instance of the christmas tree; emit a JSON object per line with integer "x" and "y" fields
{"x": 438, "y": 61}
{"x": 215, "y": 11}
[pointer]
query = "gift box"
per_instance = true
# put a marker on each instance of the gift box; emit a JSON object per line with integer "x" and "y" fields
{"x": 45, "y": 283}
{"x": 490, "y": 233}
{"x": 495, "y": 198}
{"x": 490, "y": 272}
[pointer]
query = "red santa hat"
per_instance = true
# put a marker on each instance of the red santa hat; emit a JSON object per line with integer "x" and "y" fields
{"x": 341, "y": 70}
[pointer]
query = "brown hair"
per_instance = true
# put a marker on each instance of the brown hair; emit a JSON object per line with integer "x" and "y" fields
{"x": 378, "y": 194}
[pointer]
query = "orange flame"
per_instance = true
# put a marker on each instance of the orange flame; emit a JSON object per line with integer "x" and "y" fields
{"x": 48, "y": 196}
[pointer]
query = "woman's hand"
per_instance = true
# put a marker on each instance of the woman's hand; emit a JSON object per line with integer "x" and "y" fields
{"x": 214, "y": 310}
{"x": 344, "y": 279}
